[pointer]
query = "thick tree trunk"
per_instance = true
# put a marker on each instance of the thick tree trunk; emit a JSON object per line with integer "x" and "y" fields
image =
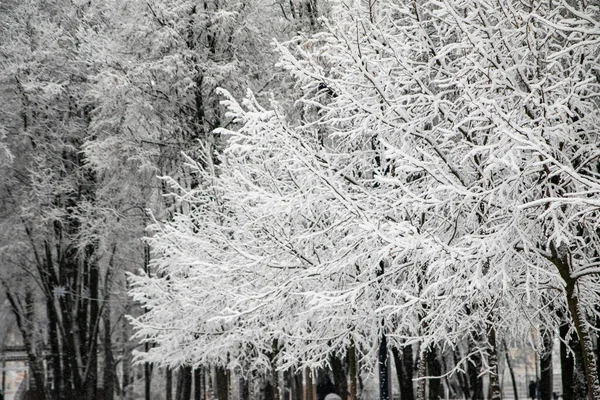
{"x": 561, "y": 259}
{"x": 404, "y": 371}
{"x": 546, "y": 383}
{"x": 308, "y": 385}
{"x": 169, "y": 384}
{"x": 586, "y": 348}
{"x": 184, "y": 383}
{"x": 495, "y": 391}
{"x": 462, "y": 378}
{"x": 567, "y": 365}
{"x": 475, "y": 383}
{"x": 222, "y": 384}
{"x": 340, "y": 378}
{"x": 436, "y": 390}
{"x": 579, "y": 383}
{"x": 199, "y": 384}
{"x": 245, "y": 393}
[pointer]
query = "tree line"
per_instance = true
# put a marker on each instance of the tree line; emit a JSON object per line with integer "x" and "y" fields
{"x": 97, "y": 99}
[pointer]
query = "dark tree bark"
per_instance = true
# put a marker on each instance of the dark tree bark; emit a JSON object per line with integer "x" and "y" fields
{"x": 222, "y": 384}
{"x": 245, "y": 392}
{"x": 340, "y": 378}
{"x": 127, "y": 359}
{"x": 434, "y": 368}
{"x": 382, "y": 357}
{"x": 561, "y": 259}
{"x": 404, "y": 371}
{"x": 55, "y": 359}
{"x": 546, "y": 365}
{"x": 382, "y": 364}
{"x": 578, "y": 381}
{"x": 109, "y": 363}
{"x": 462, "y": 378}
{"x": 93, "y": 324}
{"x": 495, "y": 391}
{"x": 572, "y": 374}
{"x": 352, "y": 371}
{"x": 169, "y": 384}
{"x": 308, "y": 386}
{"x": 199, "y": 384}
{"x": 274, "y": 372}
{"x": 475, "y": 383}
{"x": 184, "y": 383}
{"x": 567, "y": 365}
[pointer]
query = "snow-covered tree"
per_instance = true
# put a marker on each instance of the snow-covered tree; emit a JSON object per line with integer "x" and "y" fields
{"x": 439, "y": 182}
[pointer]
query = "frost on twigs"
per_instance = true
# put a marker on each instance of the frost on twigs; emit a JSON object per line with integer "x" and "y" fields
{"x": 437, "y": 156}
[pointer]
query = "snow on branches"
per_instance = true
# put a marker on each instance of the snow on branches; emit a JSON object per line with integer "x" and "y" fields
{"x": 440, "y": 177}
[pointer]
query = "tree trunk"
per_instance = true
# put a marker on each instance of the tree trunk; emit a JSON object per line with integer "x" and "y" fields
{"x": 546, "y": 383}
{"x": 475, "y": 383}
{"x": 567, "y": 364}
{"x": 93, "y": 324}
{"x": 109, "y": 364}
{"x": 404, "y": 371}
{"x": 199, "y": 384}
{"x": 462, "y": 378}
{"x": 352, "y": 371}
{"x": 57, "y": 378}
{"x": 340, "y": 378}
{"x": 127, "y": 362}
{"x": 421, "y": 371}
{"x": 561, "y": 259}
{"x": 245, "y": 393}
{"x": 274, "y": 371}
{"x": 586, "y": 347}
{"x": 184, "y": 383}
{"x": 578, "y": 381}
{"x": 298, "y": 389}
{"x": 436, "y": 390}
{"x": 308, "y": 385}
{"x": 473, "y": 370}
{"x": 222, "y": 384}
{"x": 382, "y": 364}
{"x": 169, "y": 384}
{"x": 495, "y": 391}
{"x": 147, "y": 376}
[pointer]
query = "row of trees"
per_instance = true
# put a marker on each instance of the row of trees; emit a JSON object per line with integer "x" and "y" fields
{"x": 97, "y": 99}
{"x": 434, "y": 187}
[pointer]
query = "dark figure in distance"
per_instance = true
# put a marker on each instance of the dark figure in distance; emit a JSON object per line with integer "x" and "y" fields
{"x": 325, "y": 387}
{"x": 532, "y": 390}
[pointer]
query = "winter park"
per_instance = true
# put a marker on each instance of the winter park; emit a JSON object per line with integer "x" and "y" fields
{"x": 299, "y": 199}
